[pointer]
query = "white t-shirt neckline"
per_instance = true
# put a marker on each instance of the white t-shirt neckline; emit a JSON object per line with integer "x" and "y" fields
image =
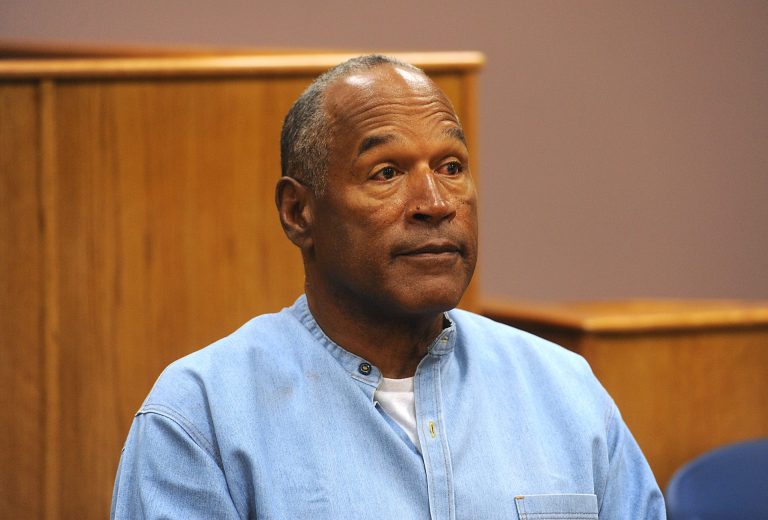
{"x": 396, "y": 398}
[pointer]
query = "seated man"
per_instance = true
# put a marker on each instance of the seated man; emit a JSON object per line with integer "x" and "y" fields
{"x": 370, "y": 398}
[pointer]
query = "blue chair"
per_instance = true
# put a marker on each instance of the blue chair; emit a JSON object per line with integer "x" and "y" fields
{"x": 728, "y": 483}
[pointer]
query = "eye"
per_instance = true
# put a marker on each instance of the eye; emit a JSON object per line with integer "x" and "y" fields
{"x": 385, "y": 174}
{"x": 451, "y": 168}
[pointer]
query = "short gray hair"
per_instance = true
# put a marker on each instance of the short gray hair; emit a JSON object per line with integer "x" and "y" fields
{"x": 305, "y": 140}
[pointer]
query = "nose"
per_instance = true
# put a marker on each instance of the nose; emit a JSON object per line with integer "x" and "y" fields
{"x": 427, "y": 198}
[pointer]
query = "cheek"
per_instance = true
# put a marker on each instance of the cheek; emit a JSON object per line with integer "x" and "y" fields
{"x": 470, "y": 194}
{"x": 360, "y": 237}
{"x": 377, "y": 219}
{"x": 463, "y": 193}
{"x": 467, "y": 211}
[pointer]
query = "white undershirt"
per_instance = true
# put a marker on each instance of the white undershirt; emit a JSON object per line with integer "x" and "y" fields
{"x": 395, "y": 396}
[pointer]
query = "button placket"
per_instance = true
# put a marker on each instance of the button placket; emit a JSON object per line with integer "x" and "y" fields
{"x": 435, "y": 450}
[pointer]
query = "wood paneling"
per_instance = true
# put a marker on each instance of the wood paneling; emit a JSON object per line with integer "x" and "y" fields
{"x": 687, "y": 376}
{"x": 22, "y": 399}
{"x": 169, "y": 240}
{"x": 138, "y": 225}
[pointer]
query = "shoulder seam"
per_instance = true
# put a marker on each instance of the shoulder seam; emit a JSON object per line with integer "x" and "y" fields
{"x": 189, "y": 428}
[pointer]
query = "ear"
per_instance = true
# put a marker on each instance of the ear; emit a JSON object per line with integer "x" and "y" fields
{"x": 294, "y": 205}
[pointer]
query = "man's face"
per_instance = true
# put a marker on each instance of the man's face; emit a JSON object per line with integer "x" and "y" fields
{"x": 395, "y": 230}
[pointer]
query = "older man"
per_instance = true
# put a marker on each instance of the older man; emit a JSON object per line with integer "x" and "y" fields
{"x": 370, "y": 398}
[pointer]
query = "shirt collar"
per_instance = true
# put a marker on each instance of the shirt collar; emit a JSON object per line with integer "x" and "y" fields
{"x": 358, "y": 367}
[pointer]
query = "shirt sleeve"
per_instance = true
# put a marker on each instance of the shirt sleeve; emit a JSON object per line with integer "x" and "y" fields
{"x": 631, "y": 491}
{"x": 165, "y": 472}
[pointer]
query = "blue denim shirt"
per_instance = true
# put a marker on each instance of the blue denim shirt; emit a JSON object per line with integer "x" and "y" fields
{"x": 277, "y": 421}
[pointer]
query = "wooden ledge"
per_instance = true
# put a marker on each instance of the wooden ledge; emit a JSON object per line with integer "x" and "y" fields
{"x": 226, "y": 65}
{"x": 628, "y": 316}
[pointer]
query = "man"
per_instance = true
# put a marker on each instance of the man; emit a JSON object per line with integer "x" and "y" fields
{"x": 370, "y": 398}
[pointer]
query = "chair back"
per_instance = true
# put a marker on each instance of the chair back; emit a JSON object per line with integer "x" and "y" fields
{"x": 726, "y": 483}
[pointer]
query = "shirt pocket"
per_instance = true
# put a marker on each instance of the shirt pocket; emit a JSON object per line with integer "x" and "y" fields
{"x": 557, "y": 507}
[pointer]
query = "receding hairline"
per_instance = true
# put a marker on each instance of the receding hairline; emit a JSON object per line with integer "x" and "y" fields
{"x": 333, "y": 113}
{"x": 372, "y": 81}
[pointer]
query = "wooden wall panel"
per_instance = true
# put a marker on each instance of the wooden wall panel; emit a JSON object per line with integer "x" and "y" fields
{"x": 22, "y": 405}
{"x": 169, "y": 240}
{"x": 688, "y": 376}
{"x": 138, "y": 225}
{"x": 684, "y": 393}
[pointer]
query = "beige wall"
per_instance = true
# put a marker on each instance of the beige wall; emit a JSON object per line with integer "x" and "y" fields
{"x": 624, "y": 144}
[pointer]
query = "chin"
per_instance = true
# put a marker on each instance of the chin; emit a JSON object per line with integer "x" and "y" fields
{"x": 434, "y": 300}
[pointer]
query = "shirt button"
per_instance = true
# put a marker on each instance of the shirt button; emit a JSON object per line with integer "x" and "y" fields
{"x": 364, "y": 368}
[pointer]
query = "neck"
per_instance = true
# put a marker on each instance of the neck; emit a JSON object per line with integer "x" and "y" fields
{"x": 394, "y": 344}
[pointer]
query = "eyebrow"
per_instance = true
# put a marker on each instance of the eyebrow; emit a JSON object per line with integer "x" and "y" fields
{"x": 456, "y": 133}
{"x": 374, "y": 141}
{"x": 377, "y": 140}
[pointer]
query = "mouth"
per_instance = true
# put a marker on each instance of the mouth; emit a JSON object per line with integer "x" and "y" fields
{"x": 434, "y": 249}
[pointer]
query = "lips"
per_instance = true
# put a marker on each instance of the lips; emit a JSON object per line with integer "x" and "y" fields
{"x": 437, "y": 247}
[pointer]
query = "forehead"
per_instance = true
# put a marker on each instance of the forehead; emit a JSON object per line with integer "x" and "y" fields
{"x": 366, "y": 101}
